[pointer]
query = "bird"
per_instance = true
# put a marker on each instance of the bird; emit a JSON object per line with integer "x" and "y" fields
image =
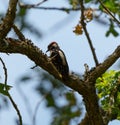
{"x": 58, "y": 59}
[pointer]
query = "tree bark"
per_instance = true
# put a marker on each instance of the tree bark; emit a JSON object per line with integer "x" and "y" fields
{"x": 8, "y": 21}
{"x": 84, "y": 87}
{"x": 92, "y": 107}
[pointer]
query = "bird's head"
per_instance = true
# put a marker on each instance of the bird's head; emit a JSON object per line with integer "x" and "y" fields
{"x": 52, "y": 46}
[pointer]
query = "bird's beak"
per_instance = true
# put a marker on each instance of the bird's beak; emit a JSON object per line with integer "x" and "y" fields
{"x": 47, "y": 50}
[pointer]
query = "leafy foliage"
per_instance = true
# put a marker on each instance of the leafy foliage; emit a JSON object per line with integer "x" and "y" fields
{"x": 74, "y": 3}
{"x": 62, "y": 101}
{"x": 112, "y": 30}
{"x": 59, "y": 98}
{"x": 112, "y": 5}
{"x": 108, "y": 87}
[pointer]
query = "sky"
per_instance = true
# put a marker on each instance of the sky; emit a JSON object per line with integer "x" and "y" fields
{"x": 76, "y": 49}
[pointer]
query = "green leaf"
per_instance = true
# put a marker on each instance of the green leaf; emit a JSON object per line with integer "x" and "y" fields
{"x": 87, "y": 1}
{"x": 74, "y": 3}
{"x": 22, "y": 11}
{"x": 2, "y": 86}
{"x": 71, "y": 98}
{"x": 4, "y": 89}
{"x": 112, "y": 31}
{"x": 108, "y": 87}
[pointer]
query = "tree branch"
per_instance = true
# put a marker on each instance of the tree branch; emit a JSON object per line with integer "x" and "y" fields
{"x": 108, "y": 11}
{"x": 31, "y": 5}
{"x": 5, "y": 72}
{"x": 99, "y": 70}
{"x": 27, "y": 48}
{"x": 85, "y": 120}
{"x": 37, "y": 107}
{"x": 84, "y": 88}
{"x": 52, "y": 8}
{"x": 16, "y": 108}
{"x": 18, "y": 32}
{"x": 7, "y": 22}
{"x": 8, "y": 94}
{"x": 87, "y": 34}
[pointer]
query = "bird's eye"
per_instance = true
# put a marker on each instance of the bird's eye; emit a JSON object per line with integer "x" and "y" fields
{"x": 52, "y": 47}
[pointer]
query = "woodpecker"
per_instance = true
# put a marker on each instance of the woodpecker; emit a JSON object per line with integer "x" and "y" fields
{"x": 58, "y": 59}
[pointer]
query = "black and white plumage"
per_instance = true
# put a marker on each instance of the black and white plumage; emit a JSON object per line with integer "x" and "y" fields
{"x": 58, "y": 59}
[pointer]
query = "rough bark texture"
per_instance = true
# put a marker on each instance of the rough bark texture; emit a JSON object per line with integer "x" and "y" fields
{"x": 84, "y": 87}
{"x": 92, "y": 108}
{"x": 8, "y": 21}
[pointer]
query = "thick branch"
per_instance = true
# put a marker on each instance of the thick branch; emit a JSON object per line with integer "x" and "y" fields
{"x": 85, "y": 120}
{"x": 7, "y": 22}
{"x": 92, "y": 107}
{"x": 99, "y": 70}
{"x": 84, "y": 88}
{"x": 35, "y": 54}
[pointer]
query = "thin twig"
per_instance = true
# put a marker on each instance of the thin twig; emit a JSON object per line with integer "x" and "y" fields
{"x": 25, "y": 100}
{"x": 87, "y": 34}
{"x": 36, "y": 108}
{"x": 56, "y": 8}
{"x": 16, "y": 108}
{"x": 5, "y": 72}
{"x": 86, "y": 68}
{"x": 60, "y": 9}
{"x": 40, "y": 3}
{"x": 31, "y": 5}
{"x": 36, "y": 6}
{"x": 18, "y": 32}
{"x": 33, "y": 66}
{"x": 8, "y": 94}
{"x": 108, "y": 11}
